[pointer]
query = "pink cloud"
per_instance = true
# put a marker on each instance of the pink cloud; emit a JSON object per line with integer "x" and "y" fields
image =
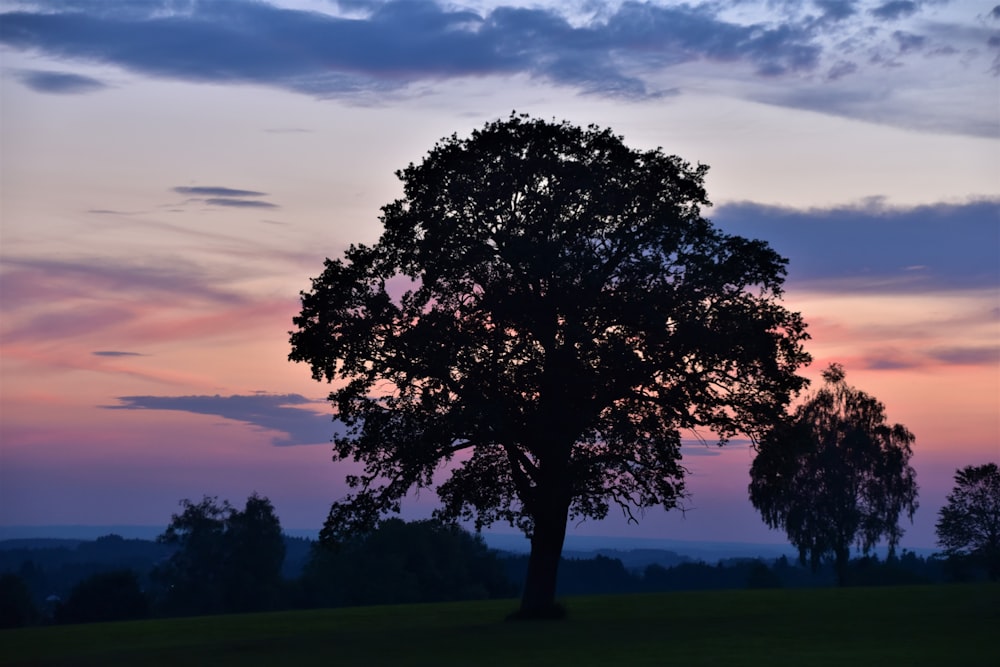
{"x": 28, "y": 279}
{"x": 155, "y": 325}
{"x": 68, "y": 323}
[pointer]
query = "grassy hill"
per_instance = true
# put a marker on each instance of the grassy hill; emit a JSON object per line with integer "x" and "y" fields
{"x": 924, "y": 625}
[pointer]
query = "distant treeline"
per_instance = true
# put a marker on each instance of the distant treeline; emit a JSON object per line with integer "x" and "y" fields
{"x": 111, "y": 578}
{"x": 601, "y": 574}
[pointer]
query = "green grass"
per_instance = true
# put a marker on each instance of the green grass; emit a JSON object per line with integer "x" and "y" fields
{"x": 928, "y": 625}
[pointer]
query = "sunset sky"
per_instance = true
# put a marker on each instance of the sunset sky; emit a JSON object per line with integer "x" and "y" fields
{"x": 173, "y": 173}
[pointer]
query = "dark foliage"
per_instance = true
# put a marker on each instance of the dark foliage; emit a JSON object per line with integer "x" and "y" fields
{"x": 701, "y": 576}
{"x": 552, "y": 305}
{"x": 420, "y": 561}
{"x": 17, "y": 608}
{"x": 109, "y": 596}
{"x": 968, "y": 526}
{"x": 835, "y": 475}
{"x": 51, "y": 568}
{"x": 227, "y": 560}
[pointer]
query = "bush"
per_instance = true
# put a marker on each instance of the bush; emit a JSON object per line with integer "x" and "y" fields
{"x": 108, "y": 596}
{"x": 398, "y": 562}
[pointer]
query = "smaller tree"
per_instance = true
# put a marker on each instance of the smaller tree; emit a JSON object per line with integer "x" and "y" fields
{"x": 254, "y": 555}
{"x": 835, "y": 474}
{"x": 227, "y": 560}
{"x": 192, "y": 576}
{"x": 968, "y": 526}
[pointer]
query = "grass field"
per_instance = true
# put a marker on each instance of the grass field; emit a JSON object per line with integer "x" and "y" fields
{"x": 929, "y": 625}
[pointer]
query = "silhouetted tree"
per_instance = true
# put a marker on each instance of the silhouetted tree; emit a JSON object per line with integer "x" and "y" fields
{"x": 227, "y": 559}
{"x": 255, "y": 552}
{"x": 551, "y": 305}
{"x": 837, "y": 474}
{"x": 107, "y": 596}
{"x": 192, "y": 577}
{"x": 968, "y": 526}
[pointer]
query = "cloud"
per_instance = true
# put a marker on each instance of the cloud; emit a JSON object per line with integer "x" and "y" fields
{"x": 72, "y": 321}
{"x": 115, "y": 353}
{"x": 229, "y": 197}
{"x": 699, "y": 449}
{"x": 81, "y": 302}
{"x": 994, "y": 43}
{"x": 968, "y": 356}
{"x": 908, "y": 41}
{"x": 238, "y": 203}
{"x": 837, "y": 10}
{"x": 890, "y": 361}
{"x": 620, "y": 50}
{"x": 272, "y": 412}
{"x": 59, "y": 83}
{"x": 841, "y": 69}
{"x": 30, "y": 281}
{"x": 917, "y": 357}
{"x": 388, "y": 45}
{"x": 891, "y": 11}
{"x": 711, "y": 448}
{"x": 874, "y": 248}
{"x": 202, "y": 191}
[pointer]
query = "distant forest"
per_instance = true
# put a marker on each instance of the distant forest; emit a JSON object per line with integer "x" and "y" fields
{"x": 112, "y": 578}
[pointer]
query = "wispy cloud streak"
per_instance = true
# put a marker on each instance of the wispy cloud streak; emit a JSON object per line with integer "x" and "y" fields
{"x": 32, "y": 281}
{"x": 88, "y": 304}
{"x": 238, "y": 203}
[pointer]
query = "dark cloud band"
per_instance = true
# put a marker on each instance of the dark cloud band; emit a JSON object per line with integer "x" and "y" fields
{"x": 396, "y": 43}
{"x": 203, "y": 191}
{"x": 897, "y": 9}
{"x": 877, "y": 248}
{"x": 272, "y": 412}
{"x": 60, "y": 83}
{"x": 615, "y": 50}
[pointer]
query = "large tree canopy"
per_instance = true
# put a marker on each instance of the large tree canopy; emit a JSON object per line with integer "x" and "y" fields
{"x": 548, "y": 310}
{"x": 836, "y": 474}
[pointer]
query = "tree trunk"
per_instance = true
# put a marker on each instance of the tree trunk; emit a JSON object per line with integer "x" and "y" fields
{"x": 539, "y": 597}
{"x": 842, "y": 561}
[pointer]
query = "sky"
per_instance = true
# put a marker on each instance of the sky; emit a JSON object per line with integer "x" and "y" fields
{"x": 173, "y": 173}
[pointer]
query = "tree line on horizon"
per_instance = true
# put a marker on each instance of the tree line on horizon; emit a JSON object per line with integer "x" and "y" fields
{"x": 217, "y": 559}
